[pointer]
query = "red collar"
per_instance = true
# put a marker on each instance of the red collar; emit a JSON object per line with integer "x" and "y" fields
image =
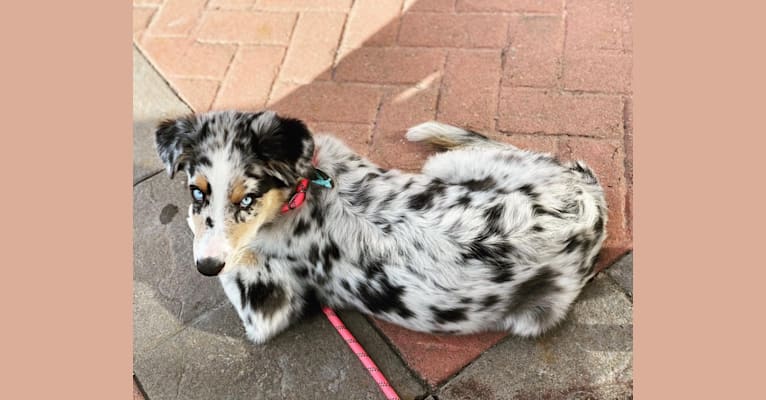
{"x": 298, "y": 197}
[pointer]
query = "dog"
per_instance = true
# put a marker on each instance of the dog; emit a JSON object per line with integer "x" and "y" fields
{"x": 487, "y": 237}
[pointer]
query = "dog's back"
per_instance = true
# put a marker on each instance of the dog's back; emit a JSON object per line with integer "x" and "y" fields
{"x": 487, "y": 237}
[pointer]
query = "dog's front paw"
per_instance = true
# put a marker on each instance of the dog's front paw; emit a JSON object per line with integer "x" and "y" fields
{"x": 257, "y": 336}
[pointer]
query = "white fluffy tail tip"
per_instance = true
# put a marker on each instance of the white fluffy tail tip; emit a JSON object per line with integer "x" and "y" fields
{"x": 432, "y": 129}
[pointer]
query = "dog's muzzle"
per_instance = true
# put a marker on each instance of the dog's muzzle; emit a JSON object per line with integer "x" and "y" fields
{"x": 210, "y": 266}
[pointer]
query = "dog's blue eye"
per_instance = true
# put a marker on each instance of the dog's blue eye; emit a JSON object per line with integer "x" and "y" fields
{"x": 246, "y": 201}
{"x": 197, "y": 194}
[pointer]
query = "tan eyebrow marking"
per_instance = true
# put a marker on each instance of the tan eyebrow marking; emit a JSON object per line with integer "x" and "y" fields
{"x": 201, "y": 183}
{"x": 238, "y": 192}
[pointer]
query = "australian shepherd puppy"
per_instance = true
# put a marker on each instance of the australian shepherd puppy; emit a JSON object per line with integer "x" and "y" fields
{"x": 486, "y": 237}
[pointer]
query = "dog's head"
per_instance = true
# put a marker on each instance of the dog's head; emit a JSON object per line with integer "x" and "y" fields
{"x": 241, "y": 168}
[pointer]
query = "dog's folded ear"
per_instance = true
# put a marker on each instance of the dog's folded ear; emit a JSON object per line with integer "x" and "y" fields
{"x": 174, "y": 139}
{"x": 284, "y": 145}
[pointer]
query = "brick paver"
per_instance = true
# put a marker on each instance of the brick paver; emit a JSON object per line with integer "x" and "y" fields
{"x": 528, "y": 6}
{"x": 303, "y": 5}
{"x": 534, "y": 53}
{"x": 141, "y": 18}
{"x": 429, "y": 5}
{"x": 198, "y": 93}
{"x": 607, "y": 73}
{"x": 230, "y": 4}
{"x": 469, "y": 92}
{"x": 355, "y": 135}
{"x": 437, "y": 358}
{"x": 197, "y": 60}
{"x": 598, "y": 25}
{"x": 542, "y": 143}
{"x": 332, "y": 102}
{"x": 390, "y": 65}
{"x": 549, "y": 75}
{"x": 372, "y": 23}
{"x": 246, "y": 27}
{"x": 250, "y": 77}
{"x": 453, "y": 30}
{"x": 404, "y": 107}
{"x": 551, "y": 111}
{"x": 177, "y": 17}
{"x": 314, "y": 42}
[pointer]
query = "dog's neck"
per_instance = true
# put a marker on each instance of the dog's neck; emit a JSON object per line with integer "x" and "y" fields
{"x": 320, "y": 178}
{"x": 316, "y": 218}
{"x": 344, "y": 213}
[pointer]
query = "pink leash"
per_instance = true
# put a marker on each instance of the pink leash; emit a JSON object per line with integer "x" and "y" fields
{"x": 297, "y": 199}
{"x": 377, "y": 376}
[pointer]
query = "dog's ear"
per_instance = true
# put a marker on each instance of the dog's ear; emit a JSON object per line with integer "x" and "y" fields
{"x": 175, "y": 139}
{"x": 284, "y": 145}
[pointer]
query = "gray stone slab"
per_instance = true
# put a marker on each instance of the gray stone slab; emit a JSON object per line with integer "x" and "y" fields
{"x": 212, "y": 359}
{"x": 589, "y": 356}
{"x": 622, "y": 273}
{"x": 153, "y": 318}
{"x": 162, "y": 251}
{"x": 153, "y": 100}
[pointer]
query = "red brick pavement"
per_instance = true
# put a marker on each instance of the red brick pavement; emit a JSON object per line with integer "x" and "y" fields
{"x": 137, "y": 395}
{"x": 550, "y": 75}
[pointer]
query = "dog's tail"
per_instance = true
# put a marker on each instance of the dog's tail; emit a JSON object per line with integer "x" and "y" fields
{"x": 446, "y": 136}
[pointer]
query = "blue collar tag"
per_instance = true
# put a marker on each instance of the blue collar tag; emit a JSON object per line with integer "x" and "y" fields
{"x": 322, "y": 179}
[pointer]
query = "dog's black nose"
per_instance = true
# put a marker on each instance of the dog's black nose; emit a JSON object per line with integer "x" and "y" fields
{"x": 209, "y": 266}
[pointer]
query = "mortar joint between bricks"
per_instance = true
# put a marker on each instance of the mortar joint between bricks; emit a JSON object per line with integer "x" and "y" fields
{"x": 341, "y": 37}
{"x": 564, "y": 25}
{"x": 503, "y": 60}
{"x": 218, "y": 90}
{"x": 399, "y": 27}
{"x": 278, "y": 74}
{"x": 441, "y": 86}
{"x": 375, "y": 123}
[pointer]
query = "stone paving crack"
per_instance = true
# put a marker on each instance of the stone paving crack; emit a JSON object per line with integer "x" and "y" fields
{"x": 181, "y": 376}
{"x": 146, "y": 178}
